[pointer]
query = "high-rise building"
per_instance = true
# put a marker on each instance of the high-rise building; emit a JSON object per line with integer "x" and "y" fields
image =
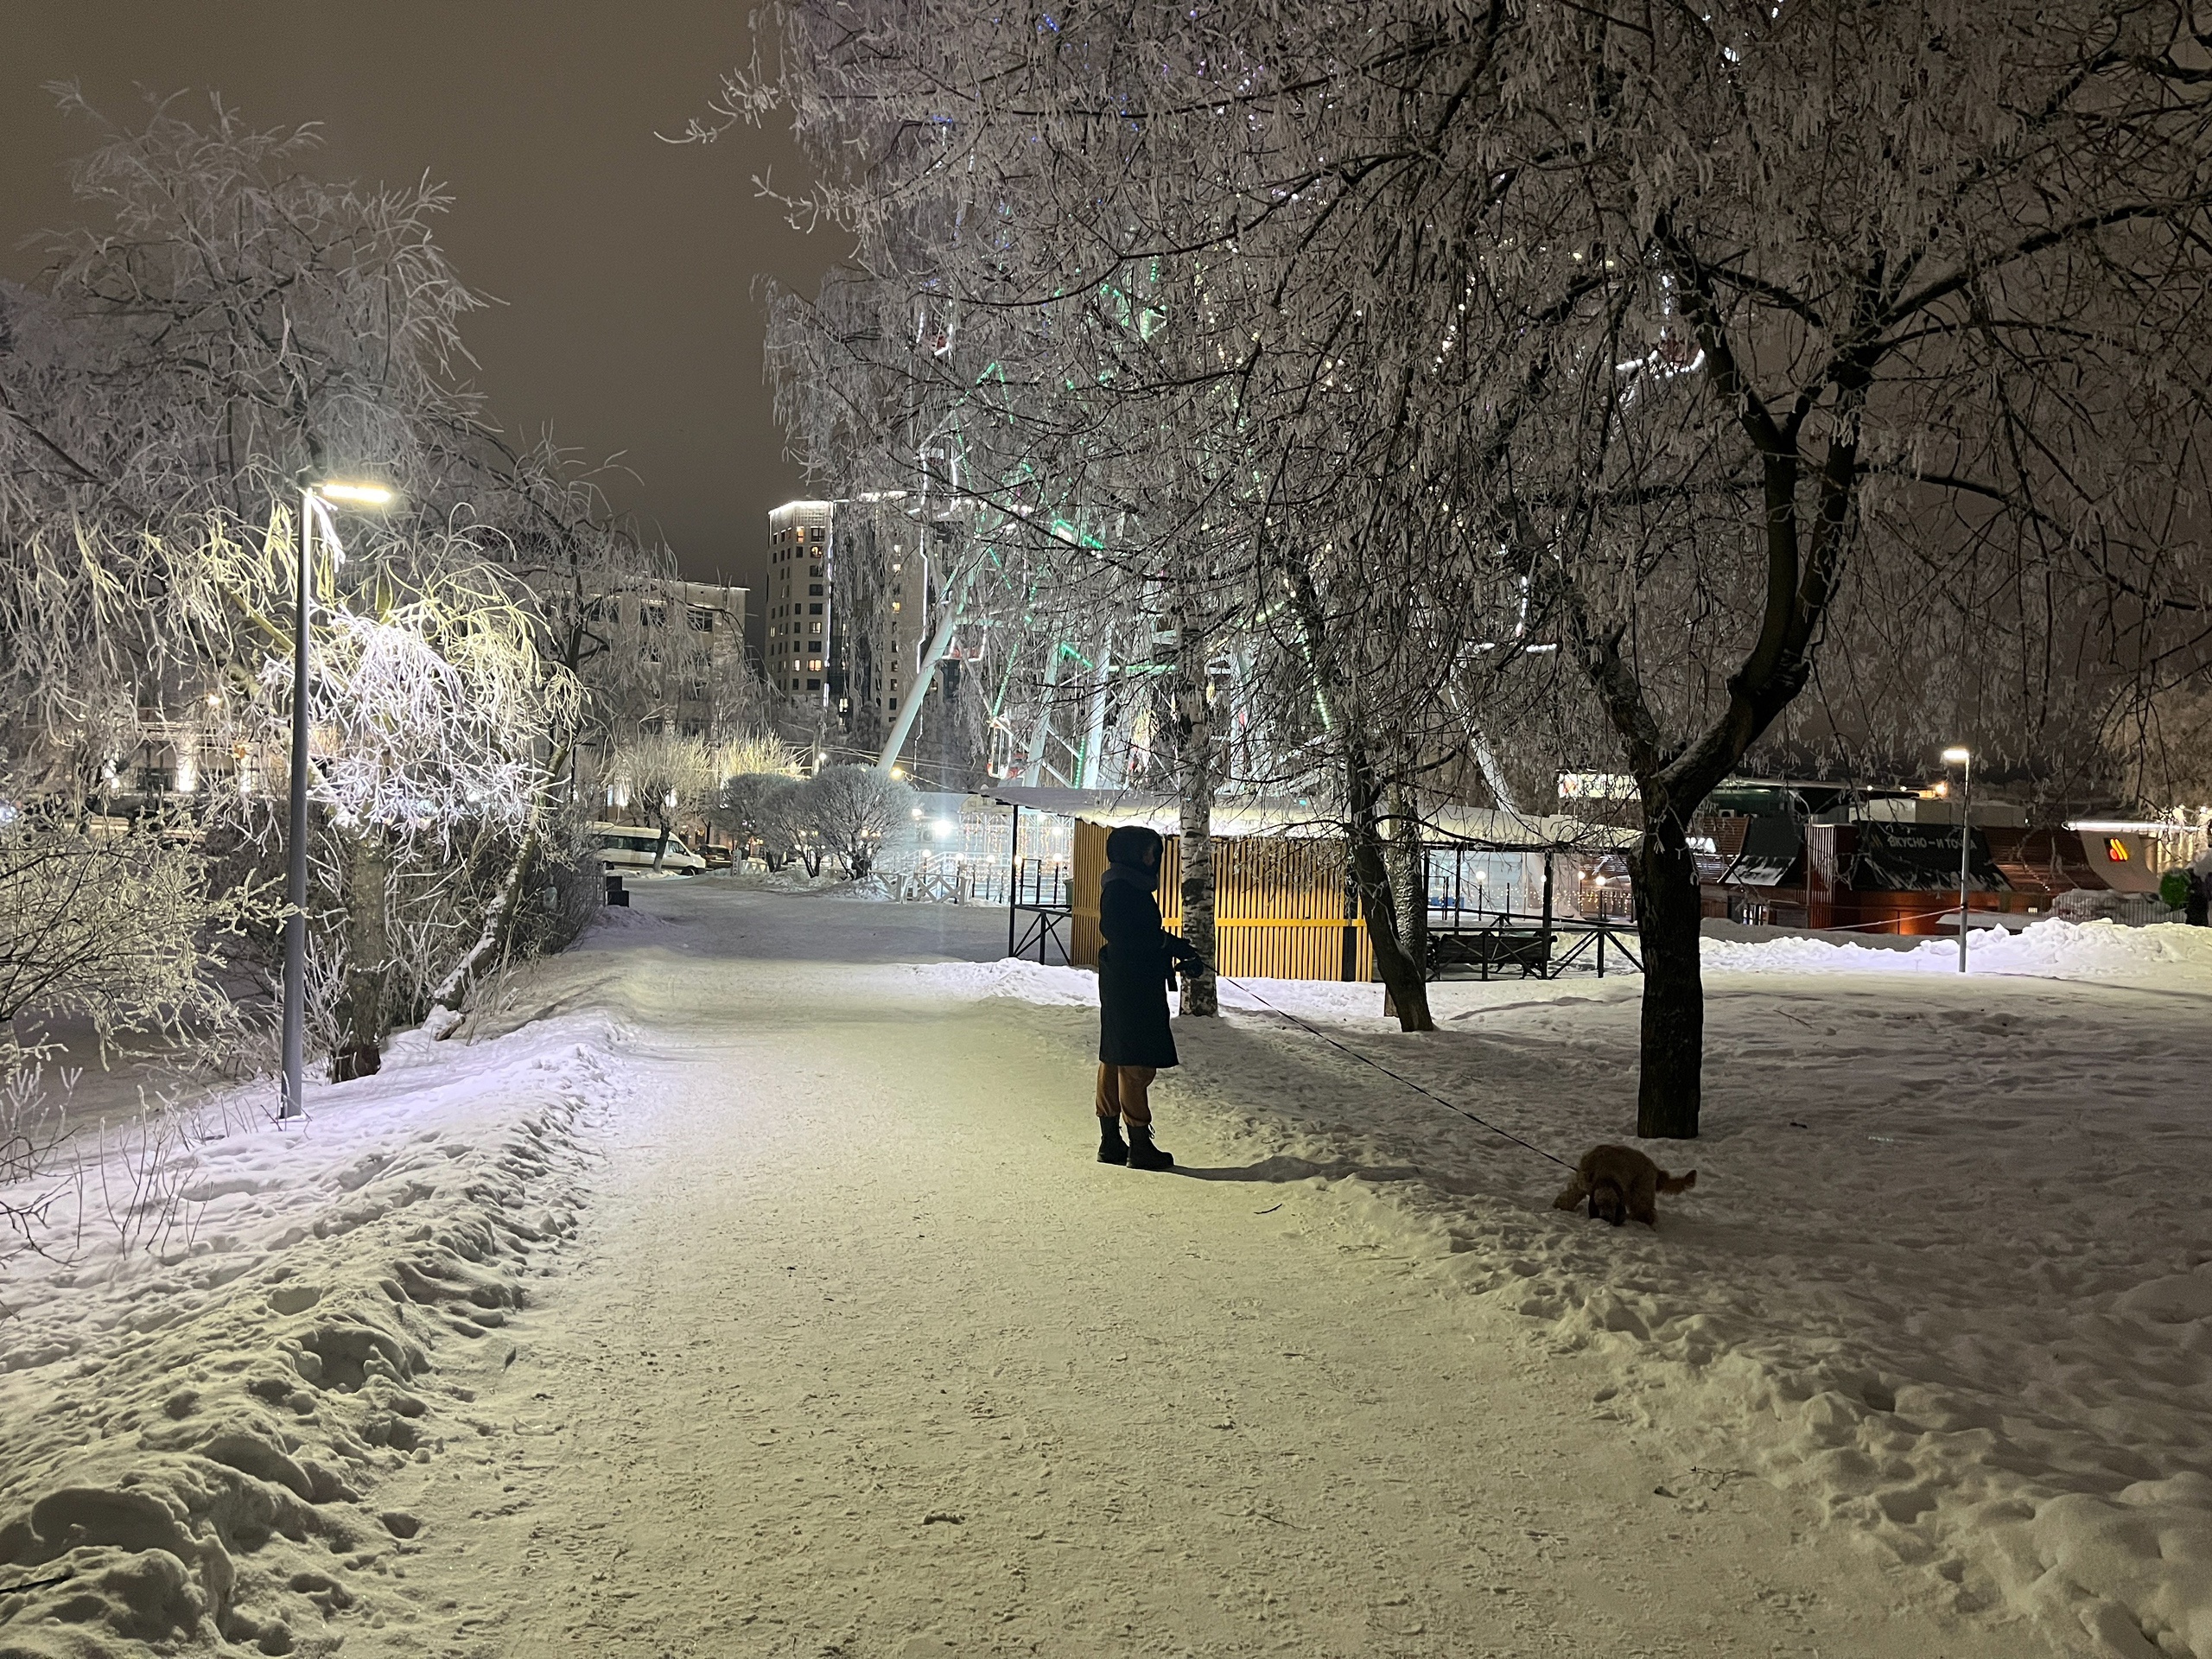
{"x": 854, "y": 595}
{"x": 796, "y": 614}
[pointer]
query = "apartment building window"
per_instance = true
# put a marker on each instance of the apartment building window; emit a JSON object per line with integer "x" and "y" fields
{"x": 814, "y": 590}
{"x": 815, "y": 609}
{"x": 701, "y": 621}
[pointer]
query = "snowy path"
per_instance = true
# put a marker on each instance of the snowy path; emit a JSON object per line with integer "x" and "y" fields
{"x": 861, "y": 1355}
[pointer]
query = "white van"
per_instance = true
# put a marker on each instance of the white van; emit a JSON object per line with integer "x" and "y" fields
{"x": 631, "y": 846}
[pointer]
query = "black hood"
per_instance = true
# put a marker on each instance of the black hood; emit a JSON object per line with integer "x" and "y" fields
{"x": 1144, "y": 875}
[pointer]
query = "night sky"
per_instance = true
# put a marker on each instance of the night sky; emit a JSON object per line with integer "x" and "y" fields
{"x": 625, "y": 264}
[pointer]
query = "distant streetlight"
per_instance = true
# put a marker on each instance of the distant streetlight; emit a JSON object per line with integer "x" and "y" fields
{"x": 1963, "y": 758}
{"x": 315, "y": 501}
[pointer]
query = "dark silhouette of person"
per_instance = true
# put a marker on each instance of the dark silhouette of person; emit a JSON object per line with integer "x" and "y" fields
{"x": 1136, "y": 963}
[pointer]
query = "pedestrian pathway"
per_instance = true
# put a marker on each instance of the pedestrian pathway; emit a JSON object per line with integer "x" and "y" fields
{"x": 858, "y": 1353}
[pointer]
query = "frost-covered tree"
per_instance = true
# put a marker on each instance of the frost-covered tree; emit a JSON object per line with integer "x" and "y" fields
{"x": 433, "y": 716}
{"x": 233, "y": 326}
{"x": 858, "y": 815}
{"x": 1673, "y": 347}
{"x": 740, "y": 810}
{"x": 670, "y": 778}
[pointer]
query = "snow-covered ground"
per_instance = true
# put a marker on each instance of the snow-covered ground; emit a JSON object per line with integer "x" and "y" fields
{"x": 745, "y": 1286}
{"x": 230, "y": 1335}
{"x": 1948, "y": 1265}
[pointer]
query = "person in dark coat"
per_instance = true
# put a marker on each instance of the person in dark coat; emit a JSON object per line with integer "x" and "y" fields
{"x": 1135, "y": 965}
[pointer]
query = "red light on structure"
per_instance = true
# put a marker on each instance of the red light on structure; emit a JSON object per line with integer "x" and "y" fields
{"x": 2115, "y": 849}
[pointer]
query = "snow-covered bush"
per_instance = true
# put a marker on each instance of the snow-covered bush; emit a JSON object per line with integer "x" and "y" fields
{"x": 117, "y": 930}
{"x": 859, "y": 815}
{"x": 786, "y": 820}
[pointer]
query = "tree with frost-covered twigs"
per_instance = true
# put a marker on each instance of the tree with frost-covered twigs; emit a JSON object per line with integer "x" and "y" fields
{"x": 241, "y": 326}
{"x": 431, "y": 719}
{"x": 859, "y": 815}
{"x": 1682, "y": 344}
{"x": 668, "y": 777}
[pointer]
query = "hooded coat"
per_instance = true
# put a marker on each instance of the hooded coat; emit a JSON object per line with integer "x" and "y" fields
{"x": 1135, "y": 964}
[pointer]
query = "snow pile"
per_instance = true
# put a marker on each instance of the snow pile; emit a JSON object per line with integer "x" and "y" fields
{"x": 618, "y": 924}
{"x": 2053, "y": 949}
{"x": 200, "y": 1410}
{"x": 1947, "y": 1265}
{"x": 1023, "y": 981}
{"x": 1061, "y": 987}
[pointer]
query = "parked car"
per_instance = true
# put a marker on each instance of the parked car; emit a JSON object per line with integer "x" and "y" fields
{"x": 632, "y": 847}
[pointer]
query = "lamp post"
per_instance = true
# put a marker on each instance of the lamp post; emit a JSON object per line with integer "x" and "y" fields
{"x": 1963, "y": 758}
{"x": 315, "y": 499}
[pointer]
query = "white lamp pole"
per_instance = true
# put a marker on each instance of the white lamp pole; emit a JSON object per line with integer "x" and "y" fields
{"x": 313, "y": 497}
{"x": 1964, "y": 759}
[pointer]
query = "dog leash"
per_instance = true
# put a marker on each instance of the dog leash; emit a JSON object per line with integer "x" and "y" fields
{"x": 1417, "y": 1088}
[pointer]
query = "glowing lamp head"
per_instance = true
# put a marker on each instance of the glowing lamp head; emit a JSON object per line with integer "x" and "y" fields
{"x": 356, "y": 495}
{"x": 1956, "y": 757}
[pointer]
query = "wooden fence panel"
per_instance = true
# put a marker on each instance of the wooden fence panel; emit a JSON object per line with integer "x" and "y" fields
{"x": 1280, "y": 905}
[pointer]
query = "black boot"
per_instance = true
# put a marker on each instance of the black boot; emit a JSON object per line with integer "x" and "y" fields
{"x": 1143, "y": 1154}
{"x": 1112, "y": 1149}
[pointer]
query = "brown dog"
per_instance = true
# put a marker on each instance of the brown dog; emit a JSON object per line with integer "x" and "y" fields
{"x": 1620, "y": 1182}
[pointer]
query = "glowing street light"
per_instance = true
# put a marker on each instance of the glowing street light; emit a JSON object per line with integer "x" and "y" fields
{"x": 1963, "y": 758}
{"x": 315, "y": 502}
{"x": 355, "y": 495}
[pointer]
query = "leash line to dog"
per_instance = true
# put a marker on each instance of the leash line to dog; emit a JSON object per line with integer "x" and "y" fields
{"x": 1417, "y": 1088}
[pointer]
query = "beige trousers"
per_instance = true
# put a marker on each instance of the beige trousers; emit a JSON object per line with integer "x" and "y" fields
{"x": 1122, "y": 1092}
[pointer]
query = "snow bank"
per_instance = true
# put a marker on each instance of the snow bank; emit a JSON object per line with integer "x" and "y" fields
{"x": 618, "y": 924}
{"x": 2056, "y": 949}
{"x": 1061, "y": 987}
{"x": 195, "y": 1436}
{"x": 1023, "y": 981}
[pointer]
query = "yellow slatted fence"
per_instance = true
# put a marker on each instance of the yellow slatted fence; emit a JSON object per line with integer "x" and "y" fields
{"x": 1278, "y": 905}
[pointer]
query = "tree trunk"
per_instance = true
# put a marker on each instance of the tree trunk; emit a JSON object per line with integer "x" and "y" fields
{"x": 1663, "y": 870}
{"x": 1405, "y": 979}
{"x": 1409, "y": 873}
{"x": 1405, "y": 976}
{"x": 499, "y": 922}
{"x": 660, "y": 852}
{"x": 361, "y": 1000}
{"x": 1196, "y": 765}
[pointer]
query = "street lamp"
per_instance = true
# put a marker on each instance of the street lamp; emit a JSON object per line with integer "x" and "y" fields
{"x": 315, "y": 501}
{"x": 1963, "y": 758}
